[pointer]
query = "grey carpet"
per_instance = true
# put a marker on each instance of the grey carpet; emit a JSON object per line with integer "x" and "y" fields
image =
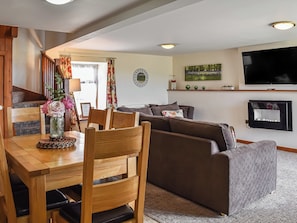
{"x": 280, "y": 206}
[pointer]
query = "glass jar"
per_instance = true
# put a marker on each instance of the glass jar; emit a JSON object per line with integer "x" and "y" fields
{"x": 56, "y": 127}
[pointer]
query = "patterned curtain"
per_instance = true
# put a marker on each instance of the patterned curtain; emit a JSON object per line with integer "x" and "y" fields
{"x": 65, "y": 66}
{"x": 111, "y": 85}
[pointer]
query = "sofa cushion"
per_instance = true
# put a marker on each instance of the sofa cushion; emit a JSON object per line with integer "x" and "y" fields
{"x": 157, "y": 109}
{"x": 157, "y": 122}
{"x": 220, "y": 133}
{"x": 144, "y": 110}
{"x": 188, "y": 111}
{"x": 173, "y": 113}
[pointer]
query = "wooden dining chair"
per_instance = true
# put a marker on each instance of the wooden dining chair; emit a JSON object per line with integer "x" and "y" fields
{"x": 121, "y": 119}
{"x": 17, "y": 115}
{"x": 108, "y": 119}
{"x": 99, "y": 117}
{"x": 14, "y": 203}
{"x": 110, "y": 200}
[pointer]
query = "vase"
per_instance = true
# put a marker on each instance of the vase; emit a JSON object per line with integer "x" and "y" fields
{"x": 56, "y": 127}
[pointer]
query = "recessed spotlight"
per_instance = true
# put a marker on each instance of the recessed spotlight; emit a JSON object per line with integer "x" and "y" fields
{"x": 283, "y": 25}
{"x": 59, "y": 2}
{"x": 168, "y": 46}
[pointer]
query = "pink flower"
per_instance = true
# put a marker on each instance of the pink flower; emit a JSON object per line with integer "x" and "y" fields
{"x": 68, "y": 102}
{"x": 45, "y": 107}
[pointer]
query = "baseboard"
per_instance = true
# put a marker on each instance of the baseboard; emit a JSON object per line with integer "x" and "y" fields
{"x": 288, "y": 149}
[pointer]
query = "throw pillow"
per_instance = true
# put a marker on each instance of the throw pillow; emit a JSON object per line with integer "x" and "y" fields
{"x": 157, "y": 109}
{"x": 172, "y": 114}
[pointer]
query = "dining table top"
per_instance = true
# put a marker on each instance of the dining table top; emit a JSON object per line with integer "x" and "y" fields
{"x": 48, "y": 169}
{"x": 39, "y": 161}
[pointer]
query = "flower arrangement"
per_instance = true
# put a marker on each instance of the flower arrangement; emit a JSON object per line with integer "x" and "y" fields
{"x": 55, "y": 107}
{"x": 59, "y": 101}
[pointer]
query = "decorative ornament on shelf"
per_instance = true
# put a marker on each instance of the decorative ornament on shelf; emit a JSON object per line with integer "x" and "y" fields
{"x": 188, "y": 87}
{"x": 56, "y": 107}
{"x": 173, "y": 84}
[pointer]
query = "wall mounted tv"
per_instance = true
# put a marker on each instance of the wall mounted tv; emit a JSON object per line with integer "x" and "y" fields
{"x": 274, "y": 66}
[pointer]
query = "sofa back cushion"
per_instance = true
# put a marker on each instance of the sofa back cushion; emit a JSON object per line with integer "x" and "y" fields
{"x": 157, "y": 122}
{"x": 220, "y": 133}
{"x": 157, "y": 109}
{"x": 143, "y": 110}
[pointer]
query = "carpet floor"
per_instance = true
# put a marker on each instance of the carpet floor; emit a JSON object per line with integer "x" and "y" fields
{"x": 162, "y": 206}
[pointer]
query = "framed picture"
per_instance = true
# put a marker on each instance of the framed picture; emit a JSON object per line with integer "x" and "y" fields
{"x": 206, "y": 72}
{"x": 85, "y": 109}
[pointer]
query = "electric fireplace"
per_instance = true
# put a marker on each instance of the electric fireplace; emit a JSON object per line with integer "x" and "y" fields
{"x": 270, "y": 114}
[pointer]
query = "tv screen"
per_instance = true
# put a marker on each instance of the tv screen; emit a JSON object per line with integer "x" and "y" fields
{"x": 274, "y": 66}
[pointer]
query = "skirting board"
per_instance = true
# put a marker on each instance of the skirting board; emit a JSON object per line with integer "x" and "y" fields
{"x": 288, "y": 149}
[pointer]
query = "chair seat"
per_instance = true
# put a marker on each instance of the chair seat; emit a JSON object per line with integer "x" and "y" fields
{"x": 16, "y": 183}
{"x": 54, "y": 199}
{"x": 71, "y": 213}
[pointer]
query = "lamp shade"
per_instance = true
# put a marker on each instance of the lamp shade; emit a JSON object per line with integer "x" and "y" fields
{"x": 74, "y": 85}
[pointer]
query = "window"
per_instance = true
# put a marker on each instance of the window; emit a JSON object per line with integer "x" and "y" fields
{"x": 93, "y": 84}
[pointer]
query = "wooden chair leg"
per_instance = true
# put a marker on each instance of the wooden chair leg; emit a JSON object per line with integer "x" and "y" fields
{"x": 2, "y": 211}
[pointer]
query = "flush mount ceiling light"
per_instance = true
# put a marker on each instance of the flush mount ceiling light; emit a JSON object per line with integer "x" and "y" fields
{"x": 283, "y": 25}
{"x": 59, "y": 2}
{"x": 168, "y": 46}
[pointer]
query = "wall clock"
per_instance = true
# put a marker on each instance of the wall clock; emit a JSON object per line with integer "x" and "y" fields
{"x": 140, "y": 77}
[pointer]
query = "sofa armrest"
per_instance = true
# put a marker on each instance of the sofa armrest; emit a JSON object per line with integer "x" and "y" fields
{"x": 244, "y": 174}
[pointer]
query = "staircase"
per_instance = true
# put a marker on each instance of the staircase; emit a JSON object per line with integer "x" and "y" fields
{"x": 24, "y": 98}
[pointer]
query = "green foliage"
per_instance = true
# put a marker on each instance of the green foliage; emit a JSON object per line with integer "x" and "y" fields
{"x": 59, "y": 93}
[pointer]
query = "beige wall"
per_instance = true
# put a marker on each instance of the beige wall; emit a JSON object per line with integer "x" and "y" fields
{"x": 26, "y": 60}
{"x": 228, "y": 59}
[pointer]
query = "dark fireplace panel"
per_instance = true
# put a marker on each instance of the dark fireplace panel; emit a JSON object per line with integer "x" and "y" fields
{"x": 270, "y": 114}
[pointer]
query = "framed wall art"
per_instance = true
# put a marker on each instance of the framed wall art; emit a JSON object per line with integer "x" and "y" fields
{"x": 85, "y": 109}
{"x": 206, "y": 72}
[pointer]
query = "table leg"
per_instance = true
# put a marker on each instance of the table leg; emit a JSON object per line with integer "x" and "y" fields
{"x": 37, "y": 199}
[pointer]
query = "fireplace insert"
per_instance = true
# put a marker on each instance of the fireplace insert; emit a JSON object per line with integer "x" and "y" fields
{"x": 270, "y": 114}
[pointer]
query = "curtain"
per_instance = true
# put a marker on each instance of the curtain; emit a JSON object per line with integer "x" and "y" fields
{"x": 65, "y": 66}
{"x": 111, "y": 85}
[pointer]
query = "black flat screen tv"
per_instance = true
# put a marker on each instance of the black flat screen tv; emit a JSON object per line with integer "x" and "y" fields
{"x": 273, "y": 66}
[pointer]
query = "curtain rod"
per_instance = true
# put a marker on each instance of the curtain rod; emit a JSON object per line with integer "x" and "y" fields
{"x": 84, "y": 55}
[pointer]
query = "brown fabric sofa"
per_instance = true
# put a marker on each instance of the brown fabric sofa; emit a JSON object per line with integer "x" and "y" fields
{"x": 156, "y": 110}
{"x": 201, "y": 162}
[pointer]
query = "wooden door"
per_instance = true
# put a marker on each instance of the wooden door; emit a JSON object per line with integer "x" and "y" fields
{"x": 7, "y": 34}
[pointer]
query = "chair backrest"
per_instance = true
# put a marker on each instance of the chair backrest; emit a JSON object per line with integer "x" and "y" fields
{"x": 121, "y": 119}
{"x": 99, "y": 117}
{"x": 16, "y": 115}
{"x": 124, "y": 142}
{"x": 7, "y": 200}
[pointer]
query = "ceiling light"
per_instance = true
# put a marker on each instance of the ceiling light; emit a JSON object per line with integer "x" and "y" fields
{"x": 283, "y": 25}
{"x": 168, "y": 45}
{"x": 59, "y": 2}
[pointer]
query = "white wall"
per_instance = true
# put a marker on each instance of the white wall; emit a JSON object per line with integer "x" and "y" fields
{"x": 231, "y": 106}
{"x": 26, "y": 72}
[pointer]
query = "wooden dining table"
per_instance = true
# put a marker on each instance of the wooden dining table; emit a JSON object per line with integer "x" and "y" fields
{"x": 47, "y": 169}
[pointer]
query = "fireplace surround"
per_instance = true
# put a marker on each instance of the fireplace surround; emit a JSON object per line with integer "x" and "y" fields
{"x": 270, "y": 114}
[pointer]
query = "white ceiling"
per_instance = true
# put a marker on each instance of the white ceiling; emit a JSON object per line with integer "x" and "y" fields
{"x": 139, "y": 26}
